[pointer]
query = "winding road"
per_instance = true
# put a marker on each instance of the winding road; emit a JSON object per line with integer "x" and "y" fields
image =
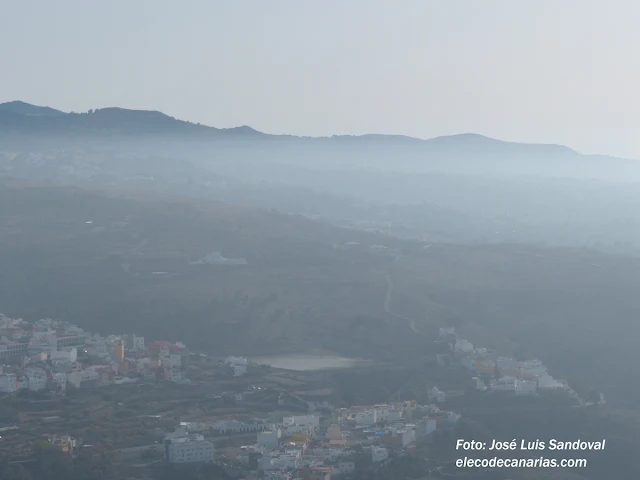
{"x": 387, "y": 306}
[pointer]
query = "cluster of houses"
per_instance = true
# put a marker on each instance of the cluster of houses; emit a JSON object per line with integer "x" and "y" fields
{"x": 300, "y": 447}
{"x": 55, "y": 355}
{"x": 496, "y": 373}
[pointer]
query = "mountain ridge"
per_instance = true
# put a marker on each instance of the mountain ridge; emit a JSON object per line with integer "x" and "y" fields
{"x": 21, "y": 117}
{"x": 24, "y": 108}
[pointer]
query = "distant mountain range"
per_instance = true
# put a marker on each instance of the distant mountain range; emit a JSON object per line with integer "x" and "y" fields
{"x": 24, "y": 118}
{"x": 21, "y": 117}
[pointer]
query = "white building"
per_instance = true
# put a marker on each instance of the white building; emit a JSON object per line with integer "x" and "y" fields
{"x": 36, "y": 378}
{"x": 307, "y": 430}
{"x": 532, "y": 369}
{"x": 269, "y": 439}
{"x": 138, "y": 343}
{"x": 75, "y": 379}
{"x": 506, "y": 384}
{"x": 237, "y": 365}
{"x": 236, "y": 361}
{"x": 379, "y": 454}
{"x": 547, "y": 381}
{"x": 368, "y": 417}
{"x": 304, "y": 420}
{"x": 289, "y": 460}
{"x": 327, "y": 454}
{"x": 407, "y": 435}
{"x": 188, "y": 449}
{"x": 389, "y": 414}
{"x": 224, "y": 427}
{"x": 463, "y": 346}
{"x": 526, "y": 387}
{"x": 59, "y": 381}
{"x": 65, "y": 355}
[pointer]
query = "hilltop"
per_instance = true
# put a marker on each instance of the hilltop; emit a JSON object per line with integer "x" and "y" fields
{"x": 18, "y": 117}
{"x": 21, "y": 108}
{"x": 28, "y": 128}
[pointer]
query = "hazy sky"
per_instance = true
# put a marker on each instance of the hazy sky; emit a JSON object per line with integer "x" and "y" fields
{"x": 552, "y": 71}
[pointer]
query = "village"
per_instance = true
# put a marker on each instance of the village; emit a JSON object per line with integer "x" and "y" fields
{"x": 494, "y": 373}
{"x": 253, "y": 422}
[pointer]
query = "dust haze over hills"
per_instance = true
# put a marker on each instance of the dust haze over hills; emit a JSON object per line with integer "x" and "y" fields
{"x": 464, "y": 188}
{"x": 532, "y": 249}
{"x": 401, "y": 192}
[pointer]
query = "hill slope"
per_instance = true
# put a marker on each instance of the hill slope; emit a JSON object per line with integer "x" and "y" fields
{"x": 114, "y": 262}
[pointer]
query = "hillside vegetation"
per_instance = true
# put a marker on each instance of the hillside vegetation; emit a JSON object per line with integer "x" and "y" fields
{"x": 112, "y": 261}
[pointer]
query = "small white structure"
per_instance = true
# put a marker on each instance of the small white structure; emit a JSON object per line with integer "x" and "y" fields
{"x": 303, "y": 420}
{"x": 463, "y": 346}
{"x": 379, "y": 454}
{"x": 237, "y": 366}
